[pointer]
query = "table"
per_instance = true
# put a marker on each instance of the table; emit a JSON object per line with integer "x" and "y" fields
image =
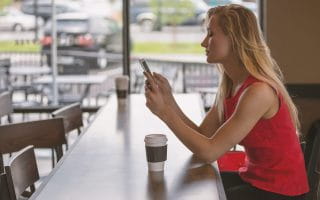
{"x": 73, "y": 79}
{"x": 28, "y": 73}
{"x": 68, "y": 96}
{"x": 109, "y": 160}
{"x": 29, "y": 70}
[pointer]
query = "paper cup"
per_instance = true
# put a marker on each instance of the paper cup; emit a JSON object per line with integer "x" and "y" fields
{"x": 156, "y": 151}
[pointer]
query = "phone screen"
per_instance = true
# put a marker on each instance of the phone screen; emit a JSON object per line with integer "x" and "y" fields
{"x": 144, "y": 65}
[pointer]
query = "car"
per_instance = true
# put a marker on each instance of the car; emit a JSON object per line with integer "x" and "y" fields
{"x": 12, "y": 19}
{"x": 86, "y": 35}
{"x": 143, "y": 14}
{"x": 45, "y": 6}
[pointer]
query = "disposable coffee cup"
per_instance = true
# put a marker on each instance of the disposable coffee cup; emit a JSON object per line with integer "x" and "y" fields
{"x": 122, "y": 86}
{"x": 156, "y": 151}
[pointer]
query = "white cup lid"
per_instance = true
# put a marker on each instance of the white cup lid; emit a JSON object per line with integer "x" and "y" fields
{"x": 155, "y": 139}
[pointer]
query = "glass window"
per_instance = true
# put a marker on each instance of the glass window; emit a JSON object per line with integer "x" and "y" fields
{"x": 99, "y": 25}
{"x": 168, "y": 34}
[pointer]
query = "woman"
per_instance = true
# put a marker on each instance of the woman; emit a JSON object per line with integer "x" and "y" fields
{"x": 252, "y": 108}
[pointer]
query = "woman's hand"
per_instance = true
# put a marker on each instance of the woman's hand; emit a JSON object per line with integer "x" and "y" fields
{"x": 155, "y": 98}
{"x": 165, "y": 89}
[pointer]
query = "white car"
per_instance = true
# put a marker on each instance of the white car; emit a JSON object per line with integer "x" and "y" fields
{"x": 15, "y": 20}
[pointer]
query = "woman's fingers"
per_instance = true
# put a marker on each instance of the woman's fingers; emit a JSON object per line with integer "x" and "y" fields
{"x": 148, "y": 93}
{"x": 148, "y": 75}
{"x": 147, "y": 84}
{"x": 159, "y": 77}
{"x": 151, "y": 81}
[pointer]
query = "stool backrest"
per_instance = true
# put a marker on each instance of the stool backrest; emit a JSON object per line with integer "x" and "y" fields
{"x": 5, "y": 65}
{"x": 22, "y": 172}
{"x": 313, "y": 167}
{"x": 47, "y": 133}
{"x": 317, "y": 195}
{"x": 4, "y": 188}
{"x": 72, "y": 117}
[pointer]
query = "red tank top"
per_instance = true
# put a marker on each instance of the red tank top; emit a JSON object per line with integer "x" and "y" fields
{"x": 274, "y": 160}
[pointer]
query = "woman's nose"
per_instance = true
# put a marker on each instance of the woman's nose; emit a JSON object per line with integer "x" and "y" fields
{"x": 204, "y": 43}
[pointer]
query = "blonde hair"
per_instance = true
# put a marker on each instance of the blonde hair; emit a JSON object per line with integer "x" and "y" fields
{"x": 241, "y": 26}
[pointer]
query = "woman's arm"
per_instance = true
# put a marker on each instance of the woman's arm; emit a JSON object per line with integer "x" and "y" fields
{"x": 253, "y": 104}
{"x": 207, "y": 127}
{"x": 211, "y": 121}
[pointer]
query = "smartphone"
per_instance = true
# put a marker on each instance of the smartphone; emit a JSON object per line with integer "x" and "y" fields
{"x": 144, "y": 65}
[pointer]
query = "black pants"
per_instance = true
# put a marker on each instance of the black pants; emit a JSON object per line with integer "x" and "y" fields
{"x": 237, "y": 189}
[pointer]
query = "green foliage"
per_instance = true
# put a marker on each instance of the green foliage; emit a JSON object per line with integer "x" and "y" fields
{"x": 168, "y": 48}
{"x": 4, "y": 3}
{"x": 173, "y": 12}
{"x": 11, "y": 46}
{"x": 138, "y": 47}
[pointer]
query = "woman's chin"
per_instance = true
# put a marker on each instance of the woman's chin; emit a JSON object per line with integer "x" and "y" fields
{"x": 212, "y": 60}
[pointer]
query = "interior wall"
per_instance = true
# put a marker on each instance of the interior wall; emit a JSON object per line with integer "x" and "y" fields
{"x": 293, "y": 34}
{"x": 292, "y": 30}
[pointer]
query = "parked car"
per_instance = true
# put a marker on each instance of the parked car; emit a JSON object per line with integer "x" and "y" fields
{"x": 45, "y": 6}
{"x": 15, "y": 20}
{"x": 83, "y": 33}
{"x": 143, "y": 14}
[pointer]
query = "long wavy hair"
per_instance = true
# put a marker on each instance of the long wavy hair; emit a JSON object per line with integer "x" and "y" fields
{"x": 240, "y": 25}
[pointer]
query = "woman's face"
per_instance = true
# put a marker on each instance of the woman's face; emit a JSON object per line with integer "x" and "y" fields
{"x": 216, "y": 43}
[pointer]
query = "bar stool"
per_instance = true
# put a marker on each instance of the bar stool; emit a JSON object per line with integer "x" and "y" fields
{"x": 4, "y": 188}
{"x": 22, "y": 173}
{"x": 313, "y": 162}
{"x": 41, "y": 134}
{"x": 72, "y": 118}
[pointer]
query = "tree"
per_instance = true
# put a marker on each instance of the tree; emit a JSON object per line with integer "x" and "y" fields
{"x": 4, "y": 3}
{"x": 172, "y": 12}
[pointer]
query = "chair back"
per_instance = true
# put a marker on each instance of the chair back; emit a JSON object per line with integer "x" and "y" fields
{"x": 4, "y": 188}
{"x": 72, "y": 117}
{"x": 22, "y": 172}
{"x": 313, "y": 168}
{"x": 5, "y": 65}
{"x": 6, "y": 106}
{"x": 317, "y": 195}
{"x": 47, "y": 133}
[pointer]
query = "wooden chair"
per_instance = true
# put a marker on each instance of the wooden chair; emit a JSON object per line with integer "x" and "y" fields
{"x": 6, "y": 108}
{"x": 313, "y": 168}
{"x": 317, "y": 195}
{"x": 4, "y": 188}
{"x": 72, "y": 118}
{"x": 22, "y": 173}
{"x": 26, "y": 87}
{"x": 4, "y": 66}
{"x": 41, "y": 134}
